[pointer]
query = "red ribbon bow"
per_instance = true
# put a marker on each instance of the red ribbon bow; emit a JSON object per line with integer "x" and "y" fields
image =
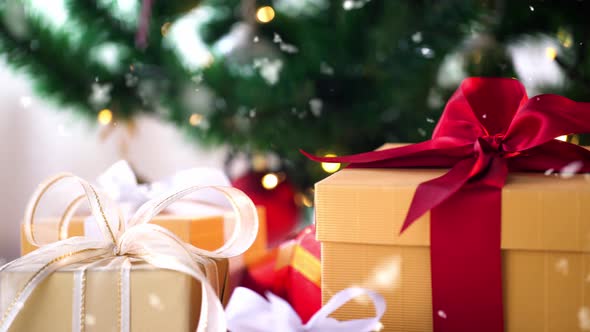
{"x": 488, "y": 128}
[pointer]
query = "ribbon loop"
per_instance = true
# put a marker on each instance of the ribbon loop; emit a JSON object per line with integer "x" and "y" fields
{"x": 95, "y": 200}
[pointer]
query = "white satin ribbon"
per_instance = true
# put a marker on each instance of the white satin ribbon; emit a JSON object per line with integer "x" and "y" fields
{"x": 249, "y": 312}
{"x": 120, "y": 242}
{"x": 120, "y": 183}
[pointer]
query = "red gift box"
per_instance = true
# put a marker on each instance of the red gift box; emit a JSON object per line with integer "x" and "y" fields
{"x": 291, "y": 271}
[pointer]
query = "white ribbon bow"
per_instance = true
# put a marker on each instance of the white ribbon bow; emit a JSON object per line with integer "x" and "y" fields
{"x": 120, "y": 184}
{"x": 122, "y": 243}
{"x": 249, "y": 312}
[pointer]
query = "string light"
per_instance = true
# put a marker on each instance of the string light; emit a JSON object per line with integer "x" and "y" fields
{"x": 105, "y": 116}
{"x": 265, "y": 14}
{"x": 330, "y": 167}
{"x": 165, "y": 28}
{"x": 195, "y": 119}
{"x": 270, "y": 181}
{"x": 551, "y": 53}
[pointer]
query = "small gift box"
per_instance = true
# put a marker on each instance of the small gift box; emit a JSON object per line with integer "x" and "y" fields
{"x": 199, "y": 219}
{"x": 291, "y": 271}
{"x": 137, "y": 276}
{"x": 498, "y": 239}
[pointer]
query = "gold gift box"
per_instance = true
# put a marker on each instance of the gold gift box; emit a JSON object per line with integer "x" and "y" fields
{"x": 161, "y": 300}
{"x": 204, "y": 232}
{"x": 545, "y": 248}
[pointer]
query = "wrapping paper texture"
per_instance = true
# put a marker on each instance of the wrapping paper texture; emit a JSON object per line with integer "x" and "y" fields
{"x": 545, "y": 247}
{"x": 161, "y": 300}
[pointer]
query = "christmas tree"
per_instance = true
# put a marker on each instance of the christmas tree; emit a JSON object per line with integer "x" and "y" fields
{"x": 270, "y": 77}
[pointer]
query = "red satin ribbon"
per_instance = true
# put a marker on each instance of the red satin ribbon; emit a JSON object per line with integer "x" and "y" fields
{"x": 488, "y": 128}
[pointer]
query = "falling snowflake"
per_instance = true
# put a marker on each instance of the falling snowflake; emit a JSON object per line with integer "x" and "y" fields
{"x": 422, "y": 132}
{"x": 256, "y": 39}
{"x": 430, "y": 120}
{"x": 427, "y": 52}
{"x": 288, "y": 48}
{"x": 569, "y": 170}
{"x": 326, "y": 69}
{"x": 252, "y": 113}
{"x": 90, "y": 319}
{"x": 549, "y": 171}
{"x": 351, "y": 4}
{"x": 155, "y": 302}
{"x": 270, "y": 70}
{"x": 584, "y": 318}
{"x": 316, "y": 106}
{"x": 417, "y": 37}
{"x": 442, "y": 314}
{"x": 532, "y": 8}
{"x": 277, "y": 39}
{"x": 562, "y": 266}
{"x": 101, "y": 94}
{"x": 484, "y": 116}
{"x": 285, "y": 47}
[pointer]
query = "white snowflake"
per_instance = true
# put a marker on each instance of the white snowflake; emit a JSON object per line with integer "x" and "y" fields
{"x": 584, "y": 318}
{"x": 569, "y": 170}
{"x": 442, "y": 314}
{"x": 326, "y": 69}
{"x": 351, "y": 4}
{"x": 417, "y": 37}
{"x": 562, "y": 266}
{"x": 101, "y": 94}
{"x": 270, "y": 70}
{"x": 155, "y": 302}
{"x": 316, "y": 105}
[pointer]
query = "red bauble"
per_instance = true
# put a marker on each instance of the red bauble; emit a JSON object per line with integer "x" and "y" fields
{"x": 282, "y": 212}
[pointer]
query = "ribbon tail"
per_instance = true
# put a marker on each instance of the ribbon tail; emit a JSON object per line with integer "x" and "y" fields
{"x": 553, "y": 155}
{"x": 431, "y": 193}
{"x": 442, "y": 152}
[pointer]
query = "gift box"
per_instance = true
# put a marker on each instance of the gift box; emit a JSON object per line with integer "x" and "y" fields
{"x": 291, "y": 271}
{"x": 484, "y": 227}
{"x": 160, "y": 300}
{"x": 207, "y": 232}
{"x": 545, "y": 247}
{"x": 132, "y": 275}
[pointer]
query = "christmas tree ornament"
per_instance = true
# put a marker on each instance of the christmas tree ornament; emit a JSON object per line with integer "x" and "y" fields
{"x": 276, "y": 194}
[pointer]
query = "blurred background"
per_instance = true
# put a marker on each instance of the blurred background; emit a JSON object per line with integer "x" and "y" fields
{"x": 242, "y": 85}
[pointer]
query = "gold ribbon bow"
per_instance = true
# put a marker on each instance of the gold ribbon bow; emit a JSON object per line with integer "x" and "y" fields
{"x": 122, "y": 244}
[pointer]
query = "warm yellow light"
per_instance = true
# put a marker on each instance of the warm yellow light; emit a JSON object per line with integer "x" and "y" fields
{"x": 562, "y": 138}
{"x": 165, "y": 28}
{"x": 105, "y": 116}
{"x": 551, "y": 53}
{"x": 265, "y": 14}
{"x": 270, "y": 181}
{"x": 195, "y": 119}
{"x": 330, "y": 167}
